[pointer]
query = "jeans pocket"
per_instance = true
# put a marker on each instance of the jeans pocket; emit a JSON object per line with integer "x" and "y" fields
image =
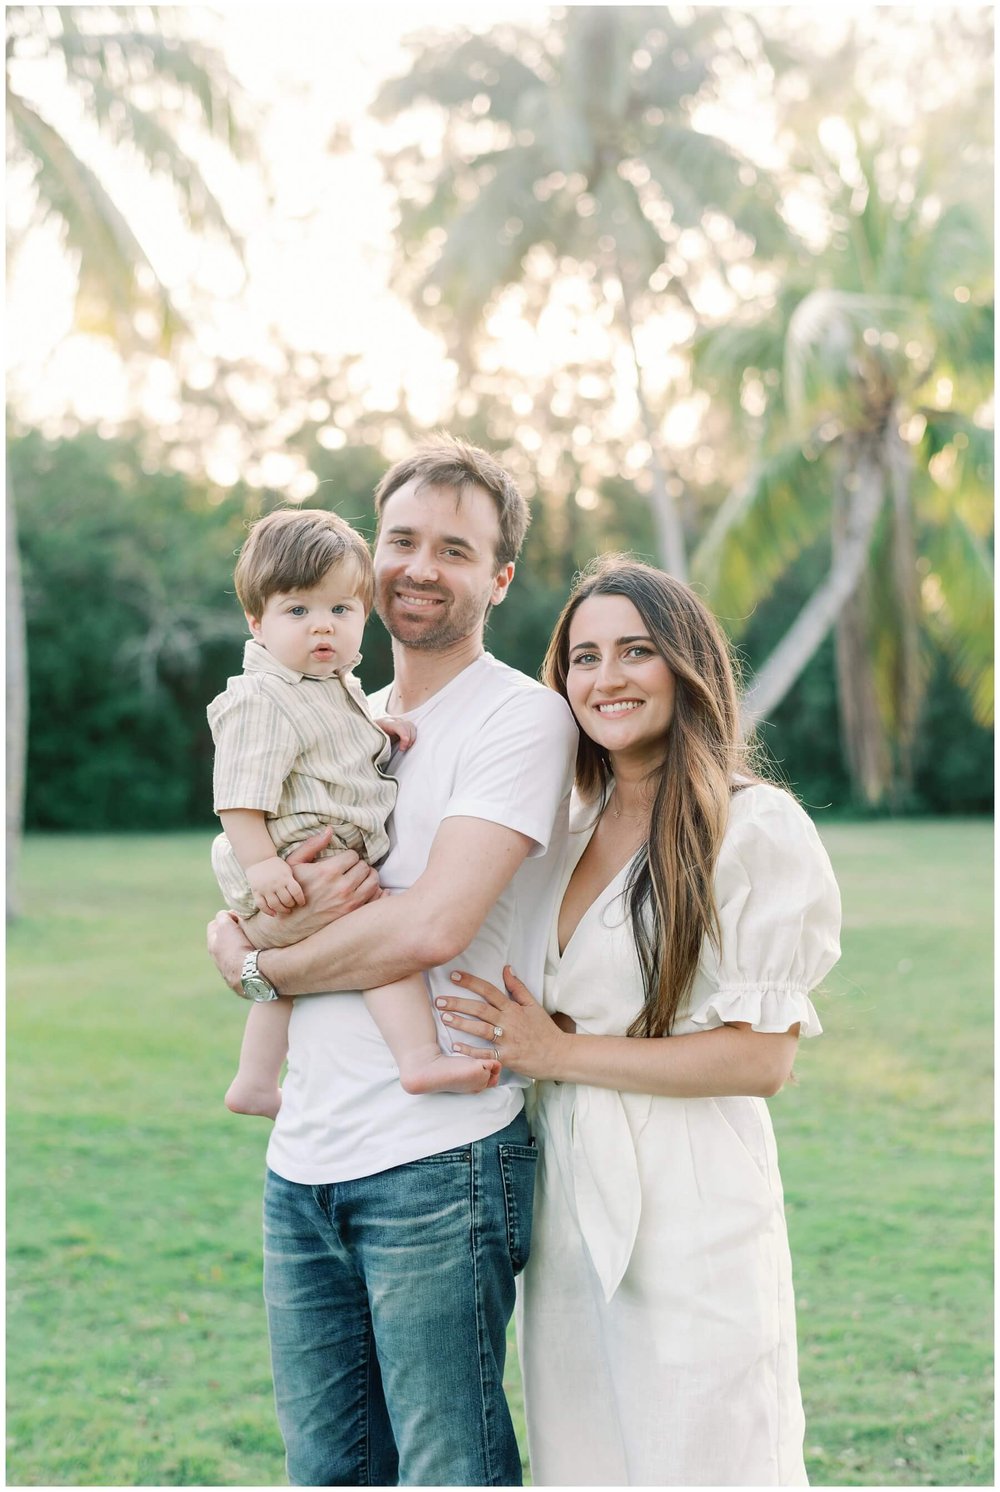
{"x": 462, "y": 1157}
{"x": 517, "y": 1169}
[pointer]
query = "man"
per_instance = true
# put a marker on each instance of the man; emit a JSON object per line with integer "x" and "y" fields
{"x": 394, "y": 1224}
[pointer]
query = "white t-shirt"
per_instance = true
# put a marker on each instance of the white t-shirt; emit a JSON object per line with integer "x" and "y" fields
{"x": 495, "y": 745}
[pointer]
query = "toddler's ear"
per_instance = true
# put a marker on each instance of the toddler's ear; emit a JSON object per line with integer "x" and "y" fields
{"x": 253, "y": 622}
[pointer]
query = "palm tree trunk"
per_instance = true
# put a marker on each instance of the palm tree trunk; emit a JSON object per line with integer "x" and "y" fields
{"x": 666, "y": 516}
{"x": 862, "y": 726}
{"x": 909, "y": 690}
{"x": 17, "y": 707}
{"x": 814, "y": 621}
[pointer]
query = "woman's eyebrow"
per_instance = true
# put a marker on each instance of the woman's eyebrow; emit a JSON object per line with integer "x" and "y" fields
{"x": 619, "y": 642}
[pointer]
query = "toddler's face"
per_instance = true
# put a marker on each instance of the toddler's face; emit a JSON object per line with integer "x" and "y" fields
{"x": 315, "y": 630}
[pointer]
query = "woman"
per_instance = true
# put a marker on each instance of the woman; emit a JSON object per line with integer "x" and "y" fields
{"x": 658, "y": 1328}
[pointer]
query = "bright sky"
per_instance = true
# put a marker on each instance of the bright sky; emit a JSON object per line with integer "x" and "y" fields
{"x": 318, "y": 262}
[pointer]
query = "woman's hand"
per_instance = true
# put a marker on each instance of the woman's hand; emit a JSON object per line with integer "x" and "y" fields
{"x": 526, "y": 1038}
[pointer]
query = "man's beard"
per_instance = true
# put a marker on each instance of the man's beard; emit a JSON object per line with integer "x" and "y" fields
{"x": 459, "y": 620}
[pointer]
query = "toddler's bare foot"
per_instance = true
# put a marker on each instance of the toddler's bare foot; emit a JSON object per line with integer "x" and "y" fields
{"x": 439, "y": 1072}
{"x": 246, "y": 1097}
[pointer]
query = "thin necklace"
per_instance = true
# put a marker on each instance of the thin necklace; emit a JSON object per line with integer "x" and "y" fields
{"x": 633, "y": 818}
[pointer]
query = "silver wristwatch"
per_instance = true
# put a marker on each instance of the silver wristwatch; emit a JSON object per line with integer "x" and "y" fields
{"x": 256, "y": 986}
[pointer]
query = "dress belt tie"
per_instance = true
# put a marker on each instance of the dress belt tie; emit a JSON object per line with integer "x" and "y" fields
{"x": 605, "y": 1127}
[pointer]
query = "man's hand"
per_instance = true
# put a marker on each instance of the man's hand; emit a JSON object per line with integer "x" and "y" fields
{"x": 229, "y": 945}
{"x": 333, "y": 886}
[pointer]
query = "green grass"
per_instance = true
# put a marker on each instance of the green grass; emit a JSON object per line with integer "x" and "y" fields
{"x": 137, "y": 1352}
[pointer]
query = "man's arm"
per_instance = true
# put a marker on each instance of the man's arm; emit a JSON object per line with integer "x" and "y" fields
{"x": 470, "y": 863}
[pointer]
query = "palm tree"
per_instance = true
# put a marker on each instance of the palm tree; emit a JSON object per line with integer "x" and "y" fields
{"x": 576, "y": 144}
{"x": 143, "y": 85}
{"x": 141, "y": 82}
{"x": 864, "y": 389}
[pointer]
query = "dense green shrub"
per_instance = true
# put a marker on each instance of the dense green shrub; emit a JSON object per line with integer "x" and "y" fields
{"x": 952, "y": 757}
{"x": 133, "y": 627}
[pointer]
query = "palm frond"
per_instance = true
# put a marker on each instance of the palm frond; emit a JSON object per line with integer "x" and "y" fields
{"x": 132, "y": 55}
{"x": 761, "y": 529}
{"x": 696, "y": 171}
{"x": 958, "y": 603}
{"x": 566, "y": 132}
{"x": 966, "y": 486}
{"x": 677, "y": 69}
{"x": 721, "y": 355}
{"x": 453, "y": 73}
{"x": 110, "y": 252}
{"x": 143, "y": 130}
{"x": 487, "y": 241}
{"x": 202, "y": 76}
{"x": 620, "y": 220}
{"x": 834, "y": 343}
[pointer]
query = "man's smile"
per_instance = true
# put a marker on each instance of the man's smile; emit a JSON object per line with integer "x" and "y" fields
{"x": 418, "y": 603}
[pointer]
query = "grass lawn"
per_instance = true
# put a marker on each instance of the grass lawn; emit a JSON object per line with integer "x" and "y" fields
{"x": 136, "y": 1345}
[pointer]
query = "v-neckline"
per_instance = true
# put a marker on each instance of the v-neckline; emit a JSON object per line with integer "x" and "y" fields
{"x": 560, "y": 954}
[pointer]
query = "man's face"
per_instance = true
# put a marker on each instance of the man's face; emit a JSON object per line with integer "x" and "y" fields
{"x": 436, "y": 574}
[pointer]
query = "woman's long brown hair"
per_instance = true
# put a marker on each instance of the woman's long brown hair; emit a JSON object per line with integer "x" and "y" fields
{"x": 670, "y": 888}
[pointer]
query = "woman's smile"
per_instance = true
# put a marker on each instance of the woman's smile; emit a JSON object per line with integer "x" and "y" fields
{"x": 618, "y": 706}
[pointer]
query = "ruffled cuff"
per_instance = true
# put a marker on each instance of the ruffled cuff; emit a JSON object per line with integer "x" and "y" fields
{"x": 766, "y": 1007}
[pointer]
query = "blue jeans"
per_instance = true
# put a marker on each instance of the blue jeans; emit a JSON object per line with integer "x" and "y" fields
{"x": 388, "y": 1300}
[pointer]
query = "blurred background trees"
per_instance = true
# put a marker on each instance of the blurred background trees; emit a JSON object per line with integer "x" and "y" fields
{"x": 864, "y": 390}
{"x": 568, "y": 154}
{"x": 147, "y": 90}
{"x": 719, "y": 291}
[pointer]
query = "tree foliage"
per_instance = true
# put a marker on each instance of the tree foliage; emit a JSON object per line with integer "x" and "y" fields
{"x": 150, "y": 89}
{"x": 133, "y": 627}
{"x": 863, "y": 392}
{"x": 133, "y": 624}
{"x": 574, "y": 152}
{"x": 152, "y": 92}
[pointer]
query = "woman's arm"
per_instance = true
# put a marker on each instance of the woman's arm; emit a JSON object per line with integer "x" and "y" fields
{"x": 731, "y": 1059}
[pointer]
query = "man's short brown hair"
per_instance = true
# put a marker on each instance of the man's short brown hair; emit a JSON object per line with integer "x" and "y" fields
{"x": 292, "y": 549}
{"x": 445, "y": 462}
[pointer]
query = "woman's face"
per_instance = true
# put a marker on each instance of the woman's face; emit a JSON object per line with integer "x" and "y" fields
{"x": 620, "y": 688}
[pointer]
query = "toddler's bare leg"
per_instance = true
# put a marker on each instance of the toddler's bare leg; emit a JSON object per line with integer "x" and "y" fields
{"x": 403, "y": 1014}
{"x": 254, "y": 1089}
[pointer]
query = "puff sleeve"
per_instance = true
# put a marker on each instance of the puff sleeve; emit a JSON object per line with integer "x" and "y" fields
{"x": 779, "y": 913}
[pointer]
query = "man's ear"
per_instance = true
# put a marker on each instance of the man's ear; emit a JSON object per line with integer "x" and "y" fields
{"x": 500, "y": 584}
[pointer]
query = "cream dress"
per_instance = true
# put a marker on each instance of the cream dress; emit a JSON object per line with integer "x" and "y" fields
{"x": 656, "y": 1315}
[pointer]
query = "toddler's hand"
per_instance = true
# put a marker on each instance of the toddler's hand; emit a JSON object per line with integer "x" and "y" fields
{"x": 403, "y": 731}
{"x": 274, "y": 886}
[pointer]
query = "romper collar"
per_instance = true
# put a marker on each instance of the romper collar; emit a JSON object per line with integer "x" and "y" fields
{"x": 256, "y": 659}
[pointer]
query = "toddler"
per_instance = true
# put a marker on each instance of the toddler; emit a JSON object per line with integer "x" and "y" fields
{"x": 296, "y": 749}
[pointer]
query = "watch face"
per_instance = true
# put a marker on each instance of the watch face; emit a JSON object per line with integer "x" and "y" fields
{"x": 258, "y": 988}
{"x": 255, "y": 986}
